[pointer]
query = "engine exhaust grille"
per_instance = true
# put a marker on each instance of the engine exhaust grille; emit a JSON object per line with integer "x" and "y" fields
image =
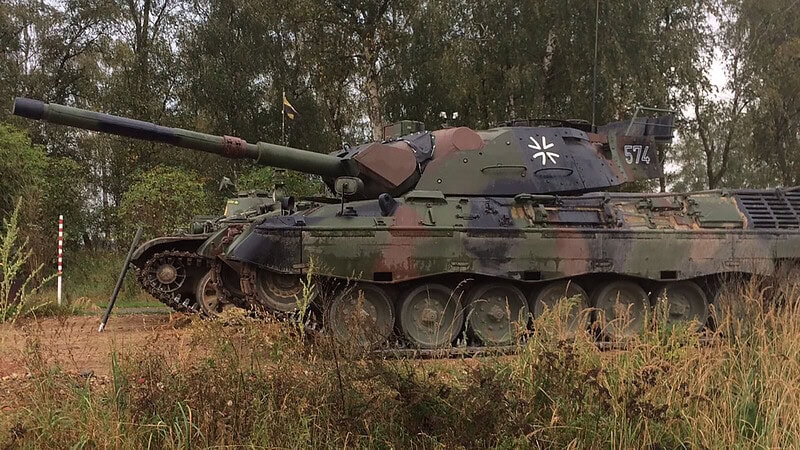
{"x": 770, "y": 209}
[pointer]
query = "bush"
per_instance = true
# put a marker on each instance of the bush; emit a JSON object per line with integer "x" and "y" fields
{"x": 64, "y": 193}
{"x": 22, "y": 166}
{"x": 162, "y": 201}
{"x": 49, "y": 186}
{"x": 61, "y": 192}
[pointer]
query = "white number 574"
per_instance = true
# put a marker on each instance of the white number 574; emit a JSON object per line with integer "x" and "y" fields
{"x": 637, "y": 154}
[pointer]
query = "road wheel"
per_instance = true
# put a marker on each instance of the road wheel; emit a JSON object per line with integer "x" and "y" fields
{"x": 497, "y": 311}
{"x": 685, "y": 302}
{"x": 621, "y": 308}
{"x": 431, "y": 316}
{"x": 559, "y": 291}
{"x": 361, "y": 315}
{"x": 209, "y": 296}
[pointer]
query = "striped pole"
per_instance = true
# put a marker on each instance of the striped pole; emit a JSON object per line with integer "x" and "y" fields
{"x": 60, "y": 253}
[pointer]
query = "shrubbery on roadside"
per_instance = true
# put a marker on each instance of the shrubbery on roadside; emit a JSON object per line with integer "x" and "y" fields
{"x": 261, "y": 385}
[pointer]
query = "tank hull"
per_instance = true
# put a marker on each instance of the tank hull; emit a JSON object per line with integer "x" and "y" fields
{"x": 633, "y": 247}
{"x": 522, "y": 240}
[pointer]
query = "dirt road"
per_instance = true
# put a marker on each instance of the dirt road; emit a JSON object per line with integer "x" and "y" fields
{"x": 74, "y": 344}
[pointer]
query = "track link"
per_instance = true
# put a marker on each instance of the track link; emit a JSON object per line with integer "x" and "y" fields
{"x": 174, "y": 300}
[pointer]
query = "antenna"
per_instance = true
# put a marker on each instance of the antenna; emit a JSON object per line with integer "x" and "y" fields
{"x": 594, "y": 74}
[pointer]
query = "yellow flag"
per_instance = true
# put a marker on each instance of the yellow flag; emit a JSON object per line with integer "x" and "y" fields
{"x": 289, "y": 110}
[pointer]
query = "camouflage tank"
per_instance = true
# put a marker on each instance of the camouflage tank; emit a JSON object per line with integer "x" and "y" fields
{"x": 458, "y": 232}
{"x": 171, "y": 270}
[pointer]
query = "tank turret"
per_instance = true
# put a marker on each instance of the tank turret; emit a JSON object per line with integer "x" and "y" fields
{"x": 568, "y": 158}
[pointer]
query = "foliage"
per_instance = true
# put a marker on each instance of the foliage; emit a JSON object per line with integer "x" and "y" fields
{"x": 64, "y": 193}
{"x": 295, "y": 183}
{"x": 163, "y": 200}
{"x": 253, "y": 384}
{"x": 26, "y": 173}
{"x": 16, "y": 286}
{"x": 22, "y": 166}
{"x": 746, "y": 134}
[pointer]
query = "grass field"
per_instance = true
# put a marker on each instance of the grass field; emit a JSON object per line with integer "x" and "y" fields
{"x": 90, "y": 277}
{"x": 88, "y": 280}
{"x": 244, "y": 383}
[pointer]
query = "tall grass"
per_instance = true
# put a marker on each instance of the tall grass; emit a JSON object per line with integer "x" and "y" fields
{"x": 254, "y": 385}
{"x": 16, "y": 286}
{"x": 89, "y": 277}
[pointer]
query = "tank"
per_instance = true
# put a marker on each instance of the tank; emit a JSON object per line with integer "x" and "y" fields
{"x": 456, "y": 237}
{"x": 171, "y": 270}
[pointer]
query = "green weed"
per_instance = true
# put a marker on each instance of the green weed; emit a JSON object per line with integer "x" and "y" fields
{"x": 16, "y": 286}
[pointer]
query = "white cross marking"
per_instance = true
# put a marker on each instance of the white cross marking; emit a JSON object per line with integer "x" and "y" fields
{"x": 543, "y": 154}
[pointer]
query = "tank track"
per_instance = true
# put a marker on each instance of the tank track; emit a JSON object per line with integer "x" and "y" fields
{"x": 475, "y": 351}
{"x": 172, "y": 299}
{"x": 248, "y": 282}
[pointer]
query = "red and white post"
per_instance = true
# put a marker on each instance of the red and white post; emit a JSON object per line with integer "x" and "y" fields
{"x": 60, "y": 253}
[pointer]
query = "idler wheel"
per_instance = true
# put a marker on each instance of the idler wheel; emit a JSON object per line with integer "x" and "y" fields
{"x": 277, "y": 291}
{"x": 497, "y": 311}
{"x": 167, "y": 274}
{"x": 209, "y": 296}
{"x": 361, "y": 315}
{"x": 431, "y": 316}
{"x": 567, "y": 291}
{"x": 621, "y": 308}
{"x": 686, "y": 302}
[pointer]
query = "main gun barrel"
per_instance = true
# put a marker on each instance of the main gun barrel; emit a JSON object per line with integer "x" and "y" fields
{"x": 228, "y": 146}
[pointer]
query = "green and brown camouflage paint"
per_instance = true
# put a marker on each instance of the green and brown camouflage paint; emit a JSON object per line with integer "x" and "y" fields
{"x": 521, "y": 205}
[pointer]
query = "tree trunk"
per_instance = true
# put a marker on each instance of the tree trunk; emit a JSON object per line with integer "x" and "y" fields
{"x": 374, "y": 106}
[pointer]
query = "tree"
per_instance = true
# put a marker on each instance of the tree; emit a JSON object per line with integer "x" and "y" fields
{"x": 64, "y": 193}
{"x": 372, "y": 35}
{"x": 748, "y": 134}
{"x": 772, "y": 32}
{"x": 163, "y": 200}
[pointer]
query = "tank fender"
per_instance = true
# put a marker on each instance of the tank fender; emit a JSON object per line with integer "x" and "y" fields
{"x": 184, "y": 243}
